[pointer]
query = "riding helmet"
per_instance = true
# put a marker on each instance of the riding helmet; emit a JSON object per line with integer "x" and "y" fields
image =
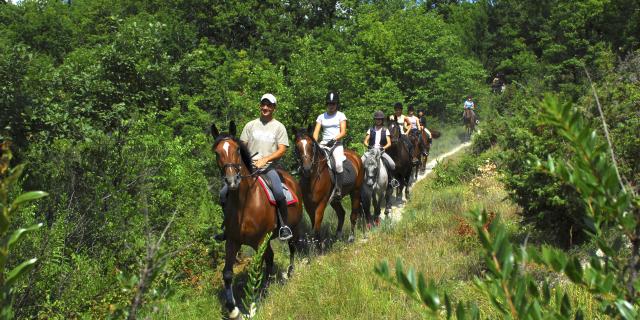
{"x": 332, "y": 97}
{"x": 378, "y": 115}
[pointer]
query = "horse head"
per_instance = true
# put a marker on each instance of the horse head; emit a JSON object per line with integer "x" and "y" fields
{"x": 305, "y": 151}
{"x": 394, "y": 131}
{"x": 371, "y": 166}
{"x": 230, "y": 155}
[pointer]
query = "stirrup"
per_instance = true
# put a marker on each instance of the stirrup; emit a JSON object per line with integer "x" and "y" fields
{"x": 284, "y": 233}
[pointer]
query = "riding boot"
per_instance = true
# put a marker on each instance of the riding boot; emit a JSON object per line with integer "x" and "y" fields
{"x": 337, "y": 194}
{"x": 284, "y": 232}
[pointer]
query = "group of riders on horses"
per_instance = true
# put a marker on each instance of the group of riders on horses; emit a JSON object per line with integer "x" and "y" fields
{"x": 267, "y": 140}
{"x": 328, "y": 172}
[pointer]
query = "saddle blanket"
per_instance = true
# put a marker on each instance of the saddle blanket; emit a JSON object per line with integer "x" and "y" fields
{"x": 348, "y": 175}
{"x": 290, "y": 196}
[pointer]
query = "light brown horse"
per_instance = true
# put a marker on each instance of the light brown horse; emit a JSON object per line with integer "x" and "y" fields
{"x": 469, "y": 117}
{"x": 316, "y": 184}
{"x": 248, "y": 214}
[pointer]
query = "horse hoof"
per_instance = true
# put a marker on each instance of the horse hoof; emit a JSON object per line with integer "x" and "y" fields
{"x": 351, "y": 239}
{"x": 235, "y": 314}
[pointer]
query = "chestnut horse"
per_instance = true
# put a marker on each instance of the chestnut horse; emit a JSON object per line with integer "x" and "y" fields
{"x": 316, "y": 184}
{"x": 427, "y": 147}
{"x": 469, "y": 119}
{"x": 248, "y": 214}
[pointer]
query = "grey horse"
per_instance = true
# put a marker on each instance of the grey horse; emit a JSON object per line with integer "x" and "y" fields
{"x": 376, "y": 188}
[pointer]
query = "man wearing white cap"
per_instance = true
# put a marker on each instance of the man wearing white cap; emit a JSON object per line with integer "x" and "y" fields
{"x": 267, "y": 140}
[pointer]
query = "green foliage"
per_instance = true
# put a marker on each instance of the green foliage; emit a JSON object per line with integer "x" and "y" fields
{"x": 255, "y": 277}
{"x": 9, "y": 238}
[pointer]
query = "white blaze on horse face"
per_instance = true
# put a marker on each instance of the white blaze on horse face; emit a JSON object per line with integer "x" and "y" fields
{"x": 225, "y": 146}
{"x": 304, "y": 147}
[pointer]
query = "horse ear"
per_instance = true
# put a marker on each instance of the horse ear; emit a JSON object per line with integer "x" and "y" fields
{"x": 310, "y": 128}
{"x": 232, "y": 128}
{"x": 214, "y": 131}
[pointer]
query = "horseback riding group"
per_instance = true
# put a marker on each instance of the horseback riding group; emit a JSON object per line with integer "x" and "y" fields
{"x": 259, "y": 197}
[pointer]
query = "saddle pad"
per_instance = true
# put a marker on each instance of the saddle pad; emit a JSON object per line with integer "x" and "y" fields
{"x": 348, "y": 174}
{"x": 291, "y": 197}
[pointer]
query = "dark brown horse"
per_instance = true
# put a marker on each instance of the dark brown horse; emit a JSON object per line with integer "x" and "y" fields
{"x": 399, "y": 152}
{"x": 248, "y": 214}
{"x": 427, "y": 148}
{"x": 316, "y": 184}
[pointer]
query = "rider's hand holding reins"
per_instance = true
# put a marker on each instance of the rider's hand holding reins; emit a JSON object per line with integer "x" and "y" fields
{"x": 260, "y": 163}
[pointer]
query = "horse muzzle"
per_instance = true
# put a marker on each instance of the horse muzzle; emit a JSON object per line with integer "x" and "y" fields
{"x": 233, "y": 182}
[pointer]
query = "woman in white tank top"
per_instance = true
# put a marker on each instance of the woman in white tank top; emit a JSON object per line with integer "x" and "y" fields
{"x": 333, "y": 124}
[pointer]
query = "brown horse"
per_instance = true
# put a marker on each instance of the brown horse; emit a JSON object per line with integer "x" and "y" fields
{"x": 316, "y": 184}
{"x": 469, "y": 118}
{"x": 414, "y": 139}
{"x": 427, "y": 147}
{"x": 248, "y": 214}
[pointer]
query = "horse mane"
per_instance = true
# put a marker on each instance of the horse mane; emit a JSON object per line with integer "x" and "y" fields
{"x": 244, "y": 151}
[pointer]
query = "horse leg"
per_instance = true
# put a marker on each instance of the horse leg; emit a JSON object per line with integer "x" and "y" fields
{"x": 231, "y": 249}
{"x": 407, "y": 195}
{"x": 292, "y": 254}
{"x": 337, "y": 207}
{"x": 356, "y": 207}
{"x": 387, "y": 200}
{"x": 317, "y": 221}
{"x": 268, "y": 261}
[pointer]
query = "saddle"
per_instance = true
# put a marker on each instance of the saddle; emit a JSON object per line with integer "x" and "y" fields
{"x": 348, "y": 173}
{"x": 266, "y": 187}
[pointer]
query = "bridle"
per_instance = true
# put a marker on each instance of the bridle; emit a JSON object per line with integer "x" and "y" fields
{"x": 313, "y": 156}
{"x": 236, "y": 166}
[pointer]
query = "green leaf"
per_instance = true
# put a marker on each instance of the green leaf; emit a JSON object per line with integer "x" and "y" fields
{"x": 461, "y": 313}
{"x": 29, "y": 196}
{"x": 447, "y": 305}
{"x": 18, "y": 271}
{"x": 626, "y": 309}
{"x": 17, "y": 235}
{"x": 574, "y": 271}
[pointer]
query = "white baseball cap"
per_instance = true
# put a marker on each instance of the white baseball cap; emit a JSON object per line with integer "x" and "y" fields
{"x": 269, "y": 97}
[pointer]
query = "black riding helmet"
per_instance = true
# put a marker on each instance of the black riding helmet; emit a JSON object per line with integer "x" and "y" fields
{"x": 333, "y": 97}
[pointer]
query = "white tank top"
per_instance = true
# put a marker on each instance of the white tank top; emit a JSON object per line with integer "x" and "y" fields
{"x": 413, "y": 121}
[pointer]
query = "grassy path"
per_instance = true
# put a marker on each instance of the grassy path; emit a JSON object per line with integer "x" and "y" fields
{"x": 431, "y": 236}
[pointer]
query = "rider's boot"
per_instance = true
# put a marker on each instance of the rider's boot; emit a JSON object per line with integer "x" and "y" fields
{"x": 337, "y": 194}
{"x": 284, "y": 232}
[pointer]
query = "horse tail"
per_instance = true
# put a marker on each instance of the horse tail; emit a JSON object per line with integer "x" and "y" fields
{"x": 435, "y": 134}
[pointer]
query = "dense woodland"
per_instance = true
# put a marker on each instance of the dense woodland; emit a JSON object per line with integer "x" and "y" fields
{"x": 109, "y": 104}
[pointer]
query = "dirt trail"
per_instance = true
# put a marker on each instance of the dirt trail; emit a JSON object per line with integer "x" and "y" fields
{"x": 396, "y": 210}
